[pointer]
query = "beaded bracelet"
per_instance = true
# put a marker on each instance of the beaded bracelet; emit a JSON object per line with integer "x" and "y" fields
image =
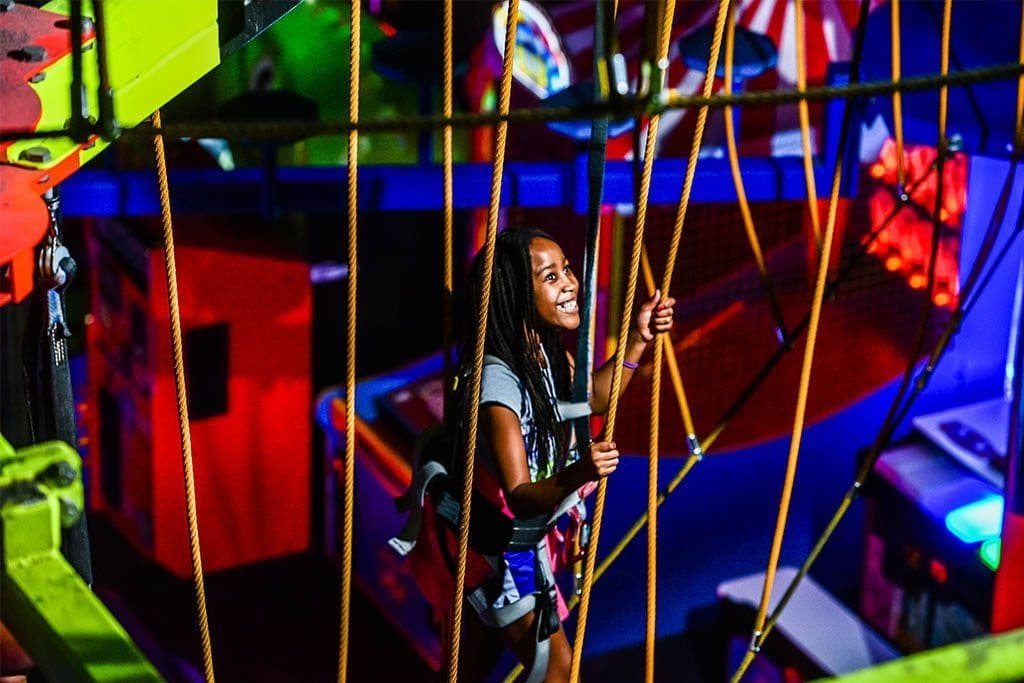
{"x": 631, "y": 366}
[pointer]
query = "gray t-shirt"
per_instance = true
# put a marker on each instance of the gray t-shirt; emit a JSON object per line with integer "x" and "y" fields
{"x": 500, "y": 385}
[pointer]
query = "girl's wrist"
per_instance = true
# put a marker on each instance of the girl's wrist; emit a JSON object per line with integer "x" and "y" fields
{"x": 636, "y": 343}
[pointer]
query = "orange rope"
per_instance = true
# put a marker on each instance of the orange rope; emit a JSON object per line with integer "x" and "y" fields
{"x": 798, "y": 420}
{"x": 671, "y": 361}
{"x": 448, "y": 163}
{"x": 897, "y": 96}
{"x": 805, "y": 120}
{"x": 1020, "y": 88}
{"x": 620, "y": 355}
{"x": 500, "y": 138}
{"x": 650, "y": 621}
{"x": 180, "y": 391}
{"x": 737, "y": 180}
{"x": 734, "y": 162}
{"x": 798, "y": 426}
{"x": 659, "y": 342}
{"x": 350, "y": 362}
{"x": 848, "y": 498}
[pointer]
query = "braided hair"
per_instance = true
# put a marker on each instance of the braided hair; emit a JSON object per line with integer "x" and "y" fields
{"x": 515, "y": 334}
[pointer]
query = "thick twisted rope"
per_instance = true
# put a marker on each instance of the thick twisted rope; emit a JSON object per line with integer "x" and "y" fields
{"x": 897, "y": 97}
{"x": 178, "y": 360}
{"x": 741, "y": 193}
{"x": 741, "y": 400}
{"x": 620, "y": 355}
{"x": 448, "y": 162}
{"x": 660, "y": 341}
{"x": 805, "y": 370}
{"x": 500, "y": 138}
{"x": 355, "y": 44}
{"x": 805, "y": 120}
{"x": 888, "y": 429}
{"x": 1019, "y": 119}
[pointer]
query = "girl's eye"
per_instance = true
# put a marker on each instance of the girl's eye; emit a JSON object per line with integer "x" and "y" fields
{"x": 550, "y": 277}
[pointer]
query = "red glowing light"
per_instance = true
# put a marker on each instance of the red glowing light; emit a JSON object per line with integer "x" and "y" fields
{"x": 904, "y": 224}
{"x": 938, "y": 571}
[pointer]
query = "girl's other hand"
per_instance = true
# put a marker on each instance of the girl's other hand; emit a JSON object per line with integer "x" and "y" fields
{"x": 655, "y": 316}
{"x": 602, "y": 460}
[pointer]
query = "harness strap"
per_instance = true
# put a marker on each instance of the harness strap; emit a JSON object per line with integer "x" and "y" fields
{"x": 405, "y": 541}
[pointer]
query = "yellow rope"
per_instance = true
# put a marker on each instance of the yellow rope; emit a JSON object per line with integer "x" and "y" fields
{"x": 180, "y": 391}
{"x": 670, "y": 358}
{"x": 798, "y": 426}
{"x": 705, "y": 447}
{"x": 805, "y": 120}
{"x": 350, "y": 362}
{"x": 620, "y": 354}
{"x": 947, "y": 14}
{"x": 734, "y": 161}
{"x": 659, "y": 342}
{"x": 500, "y": 138}
{"x": 897, "y": 98}
{"x": 737, "y": 180}
{"x": 1020, "y": 87}
{"x": 448, "y": 164}
{"x": 634, "y": 530}
{"x": 859, "y": 481}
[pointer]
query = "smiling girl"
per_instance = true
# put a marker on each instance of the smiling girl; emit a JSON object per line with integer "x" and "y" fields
{"x": 529, "y": 469}
{"x": 529, "y": 472}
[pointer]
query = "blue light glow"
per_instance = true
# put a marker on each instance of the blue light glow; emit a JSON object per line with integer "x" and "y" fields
{"x": 977, "y": 521}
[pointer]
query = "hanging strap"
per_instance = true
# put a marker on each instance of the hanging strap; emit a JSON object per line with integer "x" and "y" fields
{"x": 597, "y": 155}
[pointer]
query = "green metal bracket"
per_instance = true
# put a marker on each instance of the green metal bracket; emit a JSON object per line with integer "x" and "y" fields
{"x": 59, "y": 621}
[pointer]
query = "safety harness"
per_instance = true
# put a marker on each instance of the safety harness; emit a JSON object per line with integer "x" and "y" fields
{"x": 493, "y": 532}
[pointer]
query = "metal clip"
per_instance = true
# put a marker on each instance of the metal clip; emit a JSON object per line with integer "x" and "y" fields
{"x": 755, "y": 645}
{"x": 620, "y": 79}
{"x": 694, "y": 444}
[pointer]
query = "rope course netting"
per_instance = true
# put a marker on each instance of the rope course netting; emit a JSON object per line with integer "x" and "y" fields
{"x": 754, "y": 281}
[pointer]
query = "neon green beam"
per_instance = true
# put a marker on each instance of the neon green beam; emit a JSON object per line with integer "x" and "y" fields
{"x": 990, "y": 659}
{"x": 59, "y": 621}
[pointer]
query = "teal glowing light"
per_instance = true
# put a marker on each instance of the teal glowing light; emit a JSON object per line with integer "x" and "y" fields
{"x": 990, "y": 551}
{"x": 977, "y": 521}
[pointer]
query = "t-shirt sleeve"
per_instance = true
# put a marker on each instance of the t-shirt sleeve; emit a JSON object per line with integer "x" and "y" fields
{"x": 500, "y": 385}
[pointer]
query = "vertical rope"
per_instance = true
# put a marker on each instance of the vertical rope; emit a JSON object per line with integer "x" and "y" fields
{"x": 620, "y": 355}
{"x": 1020, "y": 88}
{"x": 805, "y": 370}
{"x": 659, "y": 342}
{"x": 354, "y": 54}
{"x": 890, "y": 420}
{"x": 737, "y": 181}
{"x": 650, "y": 623}
{"x": 448, "y": 218}
{"x": 897, "y": 96}
{"x": 709, "y": 441}
{"x": 801, "y": 407}
{"x": 178, "y": 360}
{"x": 500, "y": 138}
{"x": 805, "y": 119}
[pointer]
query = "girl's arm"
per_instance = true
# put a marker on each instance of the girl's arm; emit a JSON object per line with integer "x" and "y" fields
{"x": 527, "y": 498}
{"x": 654, "y": 317}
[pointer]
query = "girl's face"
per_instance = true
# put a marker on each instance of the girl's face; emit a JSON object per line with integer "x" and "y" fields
{"x": 554, "y": 285}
